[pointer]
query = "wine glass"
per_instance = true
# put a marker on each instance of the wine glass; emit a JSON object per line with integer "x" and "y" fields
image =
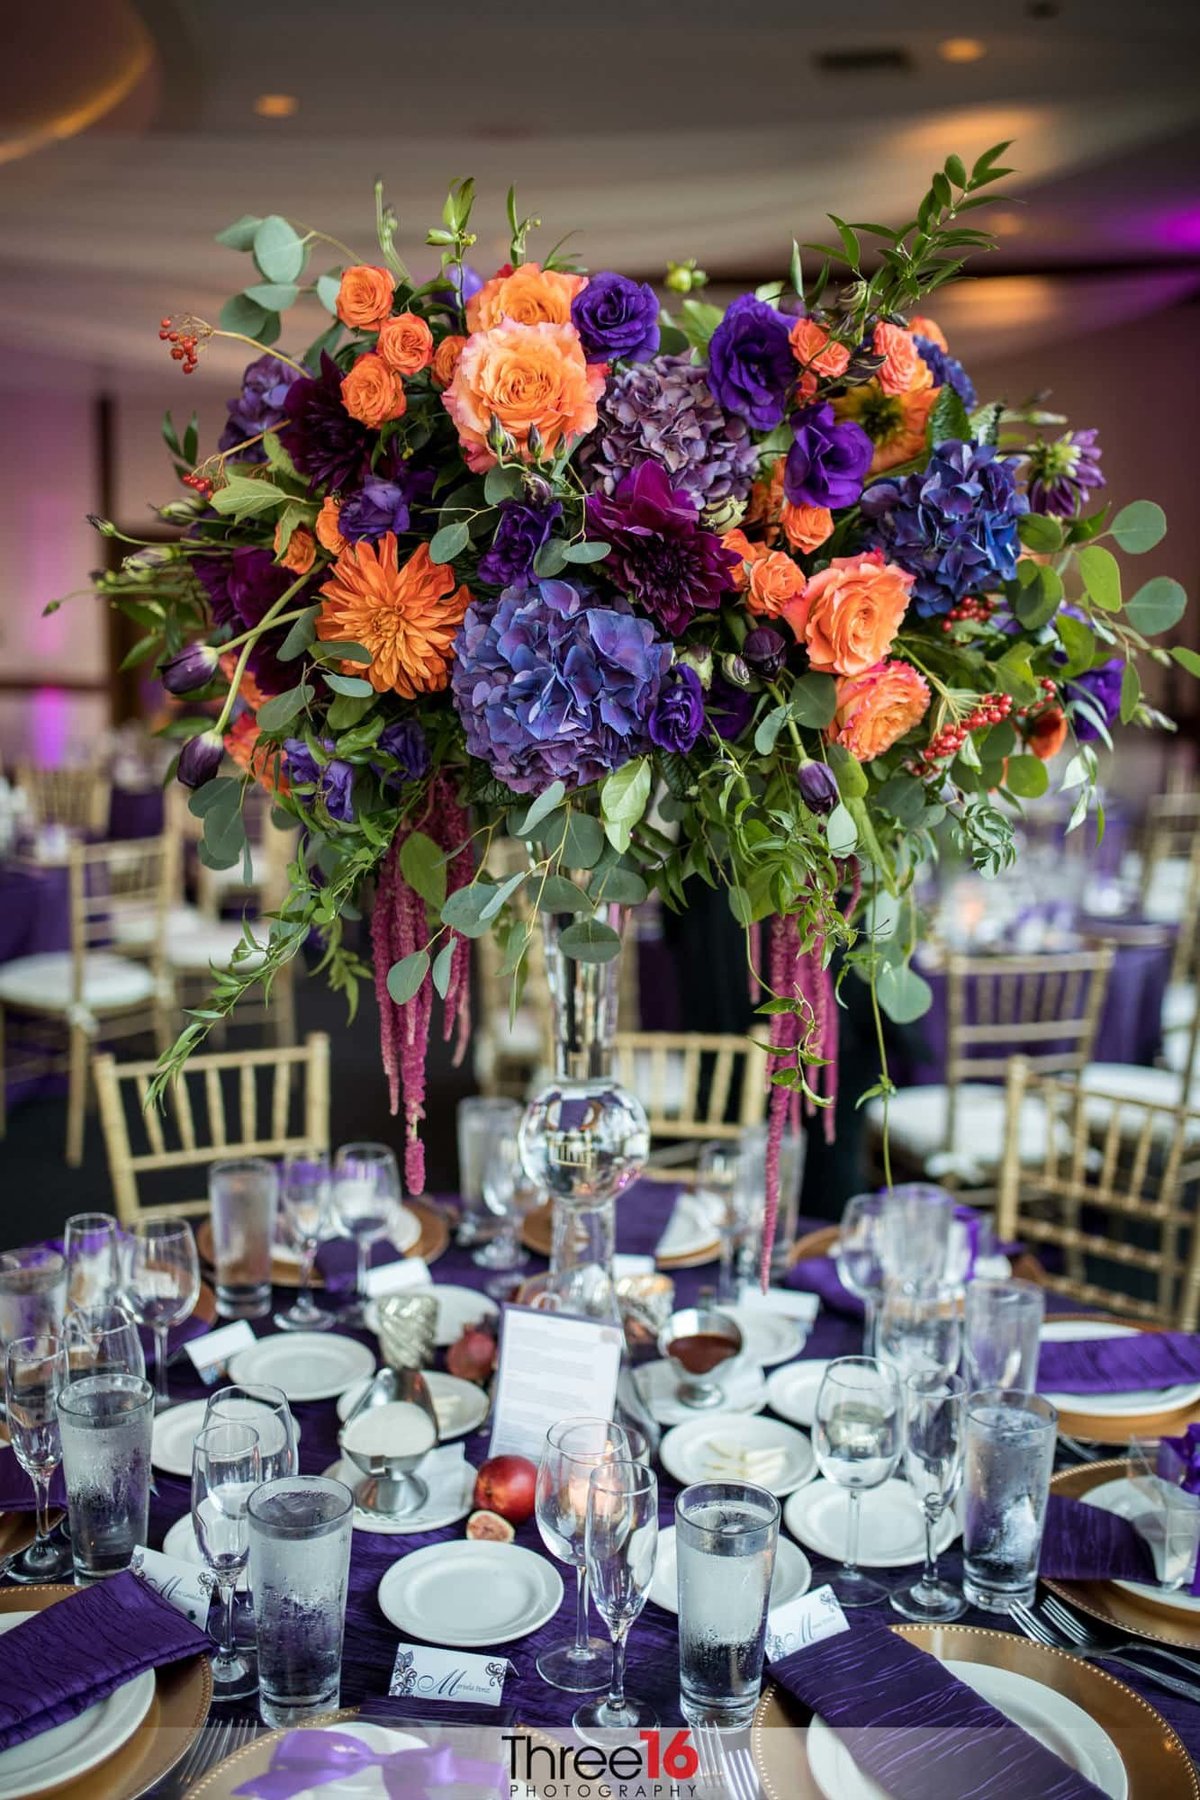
{"x": 366, "y": 1201}
{"x": 857, "y": 1435}
{"x": 717, "y": 1170}
{"x": 266, "y": 1410}
{"x": 162, "y": 1286}
{"x": 35, "y": 1372}
{"x": 919, "y": 1329}
{"x": 93, "y": 1272}
{"x": 101, "y": 1339}
{"x": 304, "y": 1192}
{"x": 859, "y": 1257}
{"x": 509, "y": 1193}
{"x": 620, "y": 1544}
{"x": 226, "y": 1469}
{"x": 935, "y": 1408}
{"x": 573, "y": 1448}
{"x": 33, "y": 1292}
{"x": 916, "y": 1232}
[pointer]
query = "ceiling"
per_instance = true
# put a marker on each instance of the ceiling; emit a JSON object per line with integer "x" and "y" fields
{"x": 656, "y": 128}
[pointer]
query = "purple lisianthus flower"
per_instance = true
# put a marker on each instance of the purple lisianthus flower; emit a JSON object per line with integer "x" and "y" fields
{"x": 818, "y": 787}
{"x": 1062, "y": 474}
{"x": 660, "y": 555}
{"x": 828, "y": 462}
{"x": 193, "y": 668}
{"x": 616, "y": 318}
{"x": 405, "y": 741}
{"x": 764, "y": 652}
{"x": 380, "y": 505}
{"x": 678, "y": 716}
{"x": 521, "y": 530}
{"x": 953, "y": 525}
{"x": 200, "y": 759}
{"x": 729, "y": 707}
{"x": 751, "y": 368}
{"x": 259, "y": 407}
{"x": 334, "y": 781}
{"x": 1100, "y": 690}
{"x": 318, "y": 433}
{"x": 664, "y": 411}
{"x": 552, "y": 685}
{"x": 946, "y": 370}
{"x": 240, "y": 588}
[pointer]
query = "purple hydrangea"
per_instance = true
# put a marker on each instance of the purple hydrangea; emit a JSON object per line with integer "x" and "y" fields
{"x": 552, "y": 685}
{"x": 405, "y": 741}
{"x": 240, "y": 588}
{"x": 751, "y": 368}
{"x": 521, "y": 531}
{"x": 660, "y": 555}
{"x": 678, "y": 716}
{"x": 828, "y": 461}
{"x": 953, "y": 526}
{"x": 334, "y": 780}
{"x": 260, "y": 406}
{"x": 319, "y": 435}
{"x": 664, "y": 411}
{"x": 1062, "y": 473}
{"x": 616, "y": 318}
{"x": 946, "y": 370}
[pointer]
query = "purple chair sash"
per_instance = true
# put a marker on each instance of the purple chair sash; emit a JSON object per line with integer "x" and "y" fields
{"x": 1152, "y": 1359}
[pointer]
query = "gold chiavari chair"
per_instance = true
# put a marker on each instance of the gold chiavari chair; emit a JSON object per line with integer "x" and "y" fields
{"x": 696, "y": 1087}
{"x": 75, "y": 797}
{"x": 111, "y": 983}
{"x": 227, "y": 1103}
{"x": 1112, "y": 1197}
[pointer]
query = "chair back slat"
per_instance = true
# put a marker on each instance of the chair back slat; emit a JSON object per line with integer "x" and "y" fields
{"x": 693, "y": 1085}
{"x": 75, "y": 797}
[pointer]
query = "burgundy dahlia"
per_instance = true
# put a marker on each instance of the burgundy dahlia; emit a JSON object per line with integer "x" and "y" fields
{"x": 660, "y": 555}
{"x": 319, "y": 435}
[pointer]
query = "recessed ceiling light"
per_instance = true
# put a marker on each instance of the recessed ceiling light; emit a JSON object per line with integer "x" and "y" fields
{"x": 961, "y": 50}
{"x": 276, "y": 106}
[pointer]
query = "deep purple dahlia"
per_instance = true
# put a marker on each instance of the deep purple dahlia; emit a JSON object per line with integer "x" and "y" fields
{"x": 660, "y": 555}
{"x": 551, "y": 685}
{"x": 259, "y": 407}
{"x": 828, "y": 461}
{"x": 383, "y": 503}
{"x": 678, "y": 716}
{"x": 616, "y": 318}
{"x": 334, "y": 781}
{"x": 319, "y": 435}
{"x": 946, "y": 370}
{"x": 664, "y": 411}
{"x": 521, "y": 531}
{"x": 240, "y": 588}
{"x": 1062, "y": 474}
{"x": 751, "y": 368}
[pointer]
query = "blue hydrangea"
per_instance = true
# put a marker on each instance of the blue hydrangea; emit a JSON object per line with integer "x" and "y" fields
{"x": 946, "y": 369}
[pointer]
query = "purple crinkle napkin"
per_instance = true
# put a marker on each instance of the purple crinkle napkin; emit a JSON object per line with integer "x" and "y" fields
{"x": 1116, "y": 1365}
{"x": 76, "y": 1653}
{"x": 818, "y": 1275}
{"x": 915, "y": 1728}
{"x": 1086, "y": 1543}
{"x": 16, "y": 1488}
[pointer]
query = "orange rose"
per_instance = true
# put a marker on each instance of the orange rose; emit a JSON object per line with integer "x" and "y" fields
{"x": 740, "y": 544}
{"x": 328, "y": 531}
{"x": 1048, "y": 733}
{"x": 920, "y": 326}
{"x": 301, "y": 551}
{"x": 365, "y": 297}
{"x": 243, "y": 747}
{"x": 806, "y": 527}
{"x": 816, "y": 355}
{"x": 405, "y": 344}
{"x": 445, "y": 360}
{"x": 775, "y": 582}
{"x": 904, "y": 370}
{"x": 766, "y": 498}
{"x": 876, "y": 708}
{"x": 530, "y": 295}
{"x": 849, "y": 613}
{"x": 522, "y": 378}
{"x": 372, "y": 393}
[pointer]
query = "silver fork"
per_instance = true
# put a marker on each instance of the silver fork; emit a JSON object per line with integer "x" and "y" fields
{"x": 714, "y": 1766}
{"x": 207, "y": 1750}
{"x": 1042, "y": 1632}
{"x": 745, "y": 1776}
{"x": 1089, "y": 1638}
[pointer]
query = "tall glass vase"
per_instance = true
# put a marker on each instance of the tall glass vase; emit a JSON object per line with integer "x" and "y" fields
{"x": 584, "y": 1139}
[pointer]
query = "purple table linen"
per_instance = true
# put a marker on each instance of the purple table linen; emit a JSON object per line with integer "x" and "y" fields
{"x": 818, "y": 1275}
{"x": 16, "y": 1488}
{"x": 1118, "y": 1365}
{"x": 1086, "y": 1543}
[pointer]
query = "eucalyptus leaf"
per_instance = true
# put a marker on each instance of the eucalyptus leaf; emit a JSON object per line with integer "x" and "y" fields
{"x": 769, "y": 729}
{"x": 584, "y": 841}
{"x": 447, "y": 543}
{"x": 624, "y": 793}
{"x": 348, "y": 709}
{"x": 240, "y": 235}
{"x": 243, "y": 315}
{"x": 1101, "y": 575}
{"x": 555, "y": 893}
{"x": 1077, "y": 640}
{"x": 904, "y": 797}
{"x": 551, "y": 559}
{"x": 1187, "y": 659}
{"x": 1139, "y": 526}
{"x": 1027, "y": 777}
{"x": 443, "y": 968}
{"x": 278, "y": 250}
{"x": 1157, "y": 606}
{"x": 1039, "y": 597}
{"x": 423, "y": 866}
{"x": 589, "y": 940}
{"x": 814, "y": 701}
{"x": 502, "y": 894}
{"x": 903, "y": 994}
{"x": 464, "y": 908}
{"x": 501, "y": 483}
{"x": 353, "y": 686}
{"x": 541, "y": 808}
{"x": 623, "y": 887}
{"x": 404, "y": 978}
{"x": 1038, "y": 531}
{"x": 587, "y": 551}
{"x": 273, "y": 296}
{"x": 841, "y": 833}
{"x": 278, "y": 711}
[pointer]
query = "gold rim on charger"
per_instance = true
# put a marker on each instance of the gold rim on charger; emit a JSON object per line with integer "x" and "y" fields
{"x": 434, "y": 1238}
{"x": 1156, "y": 1763}
{"x": 182, "y": 1696}
{"x": 1104, "y": 1600}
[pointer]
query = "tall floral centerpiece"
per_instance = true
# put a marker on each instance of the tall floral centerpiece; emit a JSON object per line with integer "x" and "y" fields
{"x": 761, "y": 595}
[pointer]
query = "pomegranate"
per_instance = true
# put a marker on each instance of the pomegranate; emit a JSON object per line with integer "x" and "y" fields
{"x": 491, "y": 1527}
{"x": 507, "y": 1485}
{"x": 473, "y": 1356}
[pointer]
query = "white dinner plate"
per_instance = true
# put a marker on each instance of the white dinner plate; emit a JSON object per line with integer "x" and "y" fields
{"x": 306, "y": 1365}
{"x": 792, "y": 1391}
{"x": 1128, "y": 1405}
{"x": 891, "y": 1528}
{"x": 174, "y": 1432}
{"x": 470, "y": 1595}
{"x": 1056, "y": 1722}
{"x": 792, "y": 1577}
{"x": 180, "y": 1541}
{"x": 767, "y": 1337}
{"x": 461, "y": 1406}
{"x": 1121, "y": 1497}
{"x": 68, "y": 1750}
{"x": 458, "y": 1307}
{"x": 741, "y": 1380}
{"x": 739, "y": 1447}
{"x": 433, "y": 1516}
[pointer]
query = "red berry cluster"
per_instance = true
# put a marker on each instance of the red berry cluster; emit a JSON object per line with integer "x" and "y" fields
{"x": 969, "y": 608}
{"x": 1049, "y": 689}
{"x": 993, "y": 709}
{"x": 199, "y": 484}
{"x": 183, "y": 345}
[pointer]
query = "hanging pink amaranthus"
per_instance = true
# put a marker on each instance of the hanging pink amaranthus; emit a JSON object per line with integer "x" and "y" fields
{"x": 400, "y": 927}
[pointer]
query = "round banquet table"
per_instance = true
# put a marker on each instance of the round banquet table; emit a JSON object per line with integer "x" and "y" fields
{"x": 35, "y": 909}
{"x": 371, "y": 1642}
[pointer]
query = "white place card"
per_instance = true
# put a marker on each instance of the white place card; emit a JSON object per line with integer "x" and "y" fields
{"x": 421, "y": 1673}
{"x": 805, "y": 1620}
{"x": 397, "y": 1277}
{"x": 783, "y": 1301}
{"x": 550, "y": 1367}
{"x": 624, "y": 1265}
{"x": 209, "y": 1355}
{"x": 182, "y": 1583}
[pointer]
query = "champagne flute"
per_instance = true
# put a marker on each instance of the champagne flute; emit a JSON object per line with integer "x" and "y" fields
{"x": 265, "y": 1409}
{"x": 857, "y": 1436}
{"x": 304, "y": 1194}
{"x": 366, "y": 1200}
{"x": 934, "y": 1439}
{"x": 920, "y": 1329}
{"x": 93, "y": 1272}
{"x": 103, "y": 1339}
{"x": 859, "y": 1257}
{"x": 162, "y": 1286}
{"x": 620, "y": 1545}
{"x": 226, "y": 1469}
{"x": 573, "y": 1448}
{"x": 35, "y": 1372}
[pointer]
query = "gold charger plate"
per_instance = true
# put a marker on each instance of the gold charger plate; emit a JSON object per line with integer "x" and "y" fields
{"x": 1104, "y": 1600}
{"x": 434, "y": 1238}
{"x": 1118, "y": 1428}
{"x": 537, "y": 1230}
{"x": 182, "y": 1696}
{"x": 1156, "y": 1763}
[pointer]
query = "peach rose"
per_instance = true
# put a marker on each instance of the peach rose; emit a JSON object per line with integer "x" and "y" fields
{"x": 876, "y": 708}
{"x": 405, "y": 344}
{"x": 904, "y": 369}
{"x": 816, "y": 354}
{"x": 1048, "y": 733}
{"x": 766, "y": 498}
{"x": 522, "y": 377}
{"x": 775, "y": 582}
{"x": 365, "y": 297}
{"x": 849, "y": 613}
{"x": 327, "y": 528}
{"x": 301, "y": 551}
{"x": 806, "y": 527}
{"x": 372, "y": 393}
{"x": 529, "y": 295}
{"x": 920, "y": 326}
{"x": 740, "y": 544}
{"x": 445, "y": 360}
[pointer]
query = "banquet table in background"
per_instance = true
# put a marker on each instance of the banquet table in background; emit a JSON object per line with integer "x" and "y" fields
{"x": 35, "y": 909}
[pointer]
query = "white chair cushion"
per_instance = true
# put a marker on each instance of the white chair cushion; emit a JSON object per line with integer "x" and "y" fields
{"x": 917, "y": 1125}
{"x": 137, "y": 931}
{"x": 1179, "y": 1007}
{"x": 44, "y": 982}
{"x": 208, "y": 944}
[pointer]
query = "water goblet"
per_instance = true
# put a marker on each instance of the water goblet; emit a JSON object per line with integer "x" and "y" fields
{"x": 480, "y": 1119}
{"x": 915, "y": 1232}
{"x": 935, "y": 1414}
{"x": 226, "y": 1469}
{"x": 93, "y": 1269}
{"x": 920, "y": 1329}
{"x": 35, "y": 1372}
{"x": 859, "y": 1258}
{"x": 243, "y": 1195}
{"x": 304, "y": 1194}
{"x": 573, "y": 1448}
{"x": 750, "y": 1199}
{"x": 33, "y": 1292}
{"x": 103, "y": 1339}
{"x": 366, "y": 1200}
{"x": 162, "y": 1286}
{"x": 620, "y": 1545}
{"x": 509, "y": 1195}
{"x": 265, "y": 1409}
{"x": 857, "y": 1436}
{"x": 1003, "y": 1332}
{"x": 718, "y": 1167}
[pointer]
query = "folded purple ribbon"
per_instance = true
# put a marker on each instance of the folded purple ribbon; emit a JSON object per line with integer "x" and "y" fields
{"x": 1087, "y": 1543}
{"x": 915, "y": 1728}
{"x": 1117, "y": 1365}
{"x": 819, "y": 1275}
{"x": 74, "y": 1654}
{"x": 16, "y": 1487}
{"x": 320, "y": 1758}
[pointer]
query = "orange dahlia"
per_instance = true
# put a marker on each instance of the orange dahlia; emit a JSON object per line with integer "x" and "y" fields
{"x": 406, "y": 617}
{"x": 244, "y": 747}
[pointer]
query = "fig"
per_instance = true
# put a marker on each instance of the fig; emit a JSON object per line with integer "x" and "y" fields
{"x": 507, "y": 1485}
{"x": 489, "y": 1527}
